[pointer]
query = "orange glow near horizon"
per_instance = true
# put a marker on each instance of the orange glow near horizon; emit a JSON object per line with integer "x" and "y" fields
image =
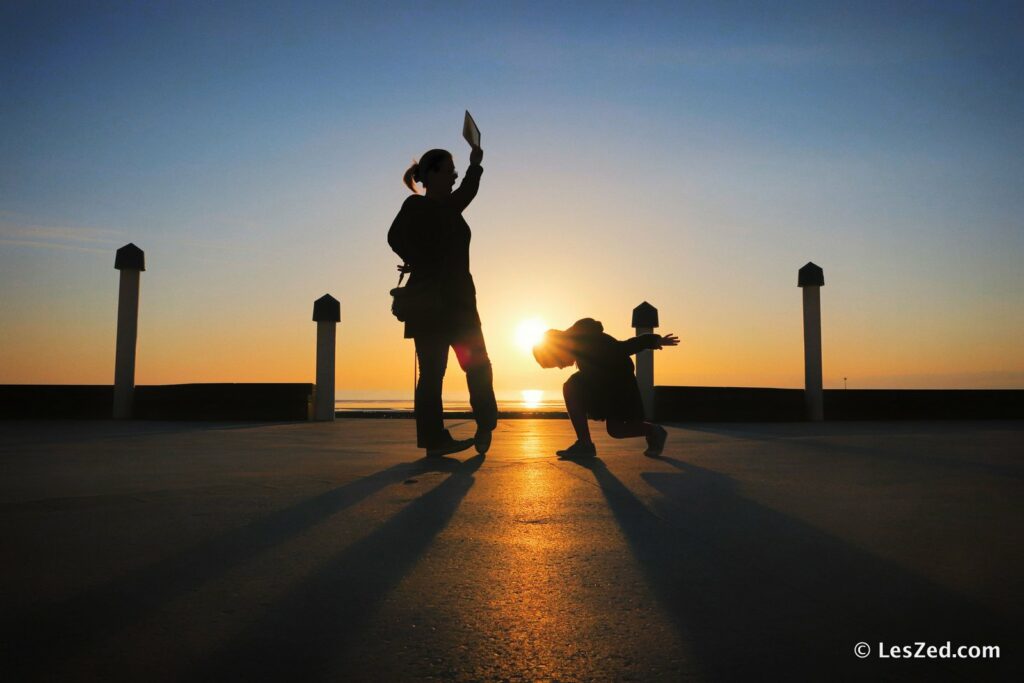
{"x": 373, "y": 358}
{"x": 751, "y": 337}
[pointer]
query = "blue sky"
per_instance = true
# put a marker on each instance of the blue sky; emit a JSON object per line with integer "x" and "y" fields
{"x": 692, "y": 154}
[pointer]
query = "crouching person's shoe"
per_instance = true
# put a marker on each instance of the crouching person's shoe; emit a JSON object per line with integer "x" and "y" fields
{"x": 656, "y": 442}
{"x": 578, "y": 450}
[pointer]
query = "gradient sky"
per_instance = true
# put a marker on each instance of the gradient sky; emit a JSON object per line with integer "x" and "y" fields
{"x": 694, "y": 155}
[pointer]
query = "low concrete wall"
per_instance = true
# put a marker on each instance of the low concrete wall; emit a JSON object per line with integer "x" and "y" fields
{"x": 672, "y": 404}
{"x": 224, "y": 402}
{"x": 924, "y": 404}
{"x": 734, "y": 404}
{"x": 162, "y": 402}
{"x": 31, "y": 401}
{"x": 728, "y": 404}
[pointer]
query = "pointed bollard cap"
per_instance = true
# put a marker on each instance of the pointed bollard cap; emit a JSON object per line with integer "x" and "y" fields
{"x": 327, "y": 309}
{"x": 130, "y": 257}
{"x": 645, "y": 315}
{"x": 811, "y": 276}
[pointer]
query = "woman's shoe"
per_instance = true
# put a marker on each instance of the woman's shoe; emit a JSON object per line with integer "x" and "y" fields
{"x": 578, "y": 450}
{"x": 449, "y": 447}
{"x": 482, "y": 440}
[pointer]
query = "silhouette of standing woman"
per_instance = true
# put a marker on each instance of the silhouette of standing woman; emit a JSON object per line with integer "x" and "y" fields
{"x": 432, "y": 237}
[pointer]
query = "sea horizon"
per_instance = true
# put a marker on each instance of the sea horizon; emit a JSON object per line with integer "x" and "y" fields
{"x": 400, "y": 405}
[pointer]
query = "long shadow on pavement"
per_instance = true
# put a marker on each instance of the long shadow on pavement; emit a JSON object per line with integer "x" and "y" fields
{"x": 306, "y": 628}
{"x": 759, "y": 593}
{"x": 34, "y": 640}
{"x": 809, "y": 437}
{"x": 18, "y": 434}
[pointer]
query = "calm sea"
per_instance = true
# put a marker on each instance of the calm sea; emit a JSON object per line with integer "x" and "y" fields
{"x": 405, "y": 405}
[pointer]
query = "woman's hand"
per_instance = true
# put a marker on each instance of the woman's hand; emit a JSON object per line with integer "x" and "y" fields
{"x": 667, "y": 340}
{"x": 405, "y": 268}
{"x": 476, "y": 156}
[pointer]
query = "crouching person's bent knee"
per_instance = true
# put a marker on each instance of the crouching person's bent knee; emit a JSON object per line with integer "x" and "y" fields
{"x": 574, "y": 386}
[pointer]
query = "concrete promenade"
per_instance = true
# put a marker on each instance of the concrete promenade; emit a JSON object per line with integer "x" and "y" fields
{"x": 152, "y": 551}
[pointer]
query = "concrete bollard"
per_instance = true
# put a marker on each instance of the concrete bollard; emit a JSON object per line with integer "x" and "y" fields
{"x": 131, "y": 261}
{"x": 811, "y": 279}
{"x": 327, "y": 314}
{"x": 645, "y": 319}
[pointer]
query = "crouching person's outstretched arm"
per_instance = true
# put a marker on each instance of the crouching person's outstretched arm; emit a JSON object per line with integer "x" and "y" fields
{"x": 649, "y": 341}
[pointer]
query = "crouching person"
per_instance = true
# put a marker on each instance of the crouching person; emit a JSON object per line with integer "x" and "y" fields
{"x": 604, "y": 387}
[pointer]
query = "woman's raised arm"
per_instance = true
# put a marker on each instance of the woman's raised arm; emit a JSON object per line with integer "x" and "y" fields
{"x": 470, "y": 184}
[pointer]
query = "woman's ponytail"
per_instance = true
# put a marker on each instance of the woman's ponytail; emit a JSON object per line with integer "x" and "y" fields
{"x": 411, "y": 176}
{"x": 430, "y": 161}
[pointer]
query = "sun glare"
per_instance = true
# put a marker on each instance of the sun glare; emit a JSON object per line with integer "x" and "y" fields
{"x": 529, "y": 332}
{"x": 532, "y": 397}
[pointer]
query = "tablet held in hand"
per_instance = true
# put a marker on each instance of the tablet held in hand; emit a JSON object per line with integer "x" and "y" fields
{"x": 470, "y": 131}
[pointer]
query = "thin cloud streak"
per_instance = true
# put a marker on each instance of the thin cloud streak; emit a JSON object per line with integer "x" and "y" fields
{"x": 53, "y": 237}
{"x": 52, "y": 245}
{"x": 60, "y": 233}
{"x": 61, "y": 238}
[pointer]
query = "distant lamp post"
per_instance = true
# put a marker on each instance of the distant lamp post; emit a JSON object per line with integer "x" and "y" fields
{"x": 645, "y": 319}
{"x": 327, "y": 315}
{"x": 811, "y": 278}
{"x": 131, "y": 261}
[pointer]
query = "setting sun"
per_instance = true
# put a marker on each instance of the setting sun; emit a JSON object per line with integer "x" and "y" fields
{"x": 532, "y": 397}
{"x": 529, "y": 332}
